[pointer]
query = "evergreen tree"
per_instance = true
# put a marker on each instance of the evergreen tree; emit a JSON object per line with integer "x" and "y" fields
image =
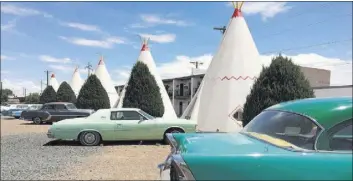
{"x": 65, "y": 93}
{"x": 93, "y": 95}
{"x": 281, "y": 81}
{"x": 48, "y": 95}
{"x": 32, "y": 98}
{"x": 143, "y": 92}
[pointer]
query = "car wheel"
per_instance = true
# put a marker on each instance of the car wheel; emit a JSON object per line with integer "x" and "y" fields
{"x": 173, "y": 130}
{"x": 37, "y": 120}
{"x": 16, "y": 117}
{"x": 90, "y": 138}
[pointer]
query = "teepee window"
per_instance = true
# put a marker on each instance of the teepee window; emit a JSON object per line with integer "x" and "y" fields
{"x": 238, "y": 115}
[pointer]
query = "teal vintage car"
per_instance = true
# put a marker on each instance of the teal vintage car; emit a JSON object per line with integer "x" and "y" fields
{"x": 118, "y": 124}
{"x": 308, "y": 139}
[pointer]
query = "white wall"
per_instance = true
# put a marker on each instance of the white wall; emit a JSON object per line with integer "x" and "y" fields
{"x": 333, "y": 91}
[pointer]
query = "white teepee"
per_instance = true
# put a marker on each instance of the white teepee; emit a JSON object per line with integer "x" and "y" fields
{"x": 76, "y": 81}
{"x": 146, "y": 57}
{"x": 103, "y": 75}
{"x": 229, "y": 78}
{"x": 53, "y": 82}
{"x": 192, "y": 111}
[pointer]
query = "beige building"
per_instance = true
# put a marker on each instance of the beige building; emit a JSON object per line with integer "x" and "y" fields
{"x": 185, "y": 87}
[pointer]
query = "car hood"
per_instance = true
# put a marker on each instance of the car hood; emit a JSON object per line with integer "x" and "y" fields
{"x": 222, "y": 144}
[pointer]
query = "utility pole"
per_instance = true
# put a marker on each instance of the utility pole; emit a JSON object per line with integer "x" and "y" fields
{"x": 47, "y": 72}
{"x": 41, "y": 86}
{"x": 89, "y": 68}
{"x": 196, "y": 63}
{"x": 222, "y": 29}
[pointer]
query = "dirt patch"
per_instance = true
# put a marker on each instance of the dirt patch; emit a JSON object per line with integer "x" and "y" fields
{"x": 122, "y": 162}
{"x": 15, "y": 126}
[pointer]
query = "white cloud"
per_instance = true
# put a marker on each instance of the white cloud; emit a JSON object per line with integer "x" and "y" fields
{"x": 265, "y": 9}
{"x": 105, "y": 43}
{"x": 22, "y": 11}
{"x": 8, "y": 26}
{"x": 155, "y": 19}
{"x": 47, "y": 58}
{"x": 83, "y": 27}
{"x": 17, "y": 85}
{"x": 149, "y": 20}
{"x": 161, "y": 38}
{"x": 4, "y": 57}
{"x": 341, "y": 70}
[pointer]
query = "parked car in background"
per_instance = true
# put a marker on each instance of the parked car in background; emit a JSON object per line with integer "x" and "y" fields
{"x": 55, "y": 111}
{"x": 118, "y": 124}
{"x": 17, "y": 114}
{"x": 309, "y": 139}
{"x": 12, "y": 108}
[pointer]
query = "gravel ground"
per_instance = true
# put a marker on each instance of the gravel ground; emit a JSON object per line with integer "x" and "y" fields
{"x": 27, "y": 154}
{"x": 23, "y": 157}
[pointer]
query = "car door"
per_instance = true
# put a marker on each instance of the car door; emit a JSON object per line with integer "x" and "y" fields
{"x": 50, "y": 108}
{"x": 134, "y": 126}
{"x": 61, "y": 112}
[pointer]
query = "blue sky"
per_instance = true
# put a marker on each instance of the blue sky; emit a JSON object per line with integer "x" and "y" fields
{"x": 36, "y": 36}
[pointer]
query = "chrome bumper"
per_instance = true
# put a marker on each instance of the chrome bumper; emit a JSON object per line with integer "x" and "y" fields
{"x": 164, "y": 172}
{"x": 174, "y": 161}
{"x": 50, "y": 135}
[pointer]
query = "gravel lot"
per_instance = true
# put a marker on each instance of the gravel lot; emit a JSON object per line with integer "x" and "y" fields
{"x": 27, "y": 154}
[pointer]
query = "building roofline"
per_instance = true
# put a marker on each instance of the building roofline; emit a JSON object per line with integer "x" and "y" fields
{"x": 333, "y": 87}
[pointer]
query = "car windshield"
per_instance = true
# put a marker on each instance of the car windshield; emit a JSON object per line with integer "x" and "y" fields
{"x": 143, "y": 113}
{"x": 70, "y": 106}
{"x": 283, "y": 129}
{"x": 35, "y": 107}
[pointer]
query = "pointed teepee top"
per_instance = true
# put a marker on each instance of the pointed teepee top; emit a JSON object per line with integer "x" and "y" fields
{"x": 144, "y": 44}
{"x": 237, "y": 9}
{"x": 52, "y": 76}
{"x": 101, "y": 62}
{"x": 76, "y": 69}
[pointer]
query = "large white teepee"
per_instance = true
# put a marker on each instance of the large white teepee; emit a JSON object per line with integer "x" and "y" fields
{"x": 76, "y": 81}
{"x": 53, "y": 82}
{"x": 229, "y": 78}
{"x": 103, "y": 75}
{"x": 146, "y": 57}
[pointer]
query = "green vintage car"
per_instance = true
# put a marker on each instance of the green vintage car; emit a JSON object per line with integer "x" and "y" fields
{"x": 308, "y": 139}
{"x": 118, "y": 124}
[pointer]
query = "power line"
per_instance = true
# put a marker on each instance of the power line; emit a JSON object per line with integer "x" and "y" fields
{"x": 308, "y": 46}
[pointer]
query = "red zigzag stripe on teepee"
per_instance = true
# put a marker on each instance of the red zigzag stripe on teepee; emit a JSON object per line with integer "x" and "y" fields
{"x": 237, "y": 78}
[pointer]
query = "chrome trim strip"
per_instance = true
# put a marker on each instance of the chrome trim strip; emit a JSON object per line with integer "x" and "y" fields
{"x": 172, "y": 142}
{"x": 180, "y": 164}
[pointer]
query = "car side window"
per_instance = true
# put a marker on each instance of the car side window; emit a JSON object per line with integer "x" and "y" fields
{"x": 341, "y": 137}
{"x": 60, "y": 107}
{"x": 46, "y": 107}
{"x": 116, "y": 115}
{"x": 131, "y": 115}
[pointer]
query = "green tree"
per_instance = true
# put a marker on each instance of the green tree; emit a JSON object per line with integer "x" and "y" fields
{"x": 5, "y": 93}
{"x": 65, "y": 93}
{"x": 143, "y": 92}
{"x": 32, "y": 98}
{"x": 93, "y": 95}
{"x": 48, "y": 95}
{"x": 281, "y": 81}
